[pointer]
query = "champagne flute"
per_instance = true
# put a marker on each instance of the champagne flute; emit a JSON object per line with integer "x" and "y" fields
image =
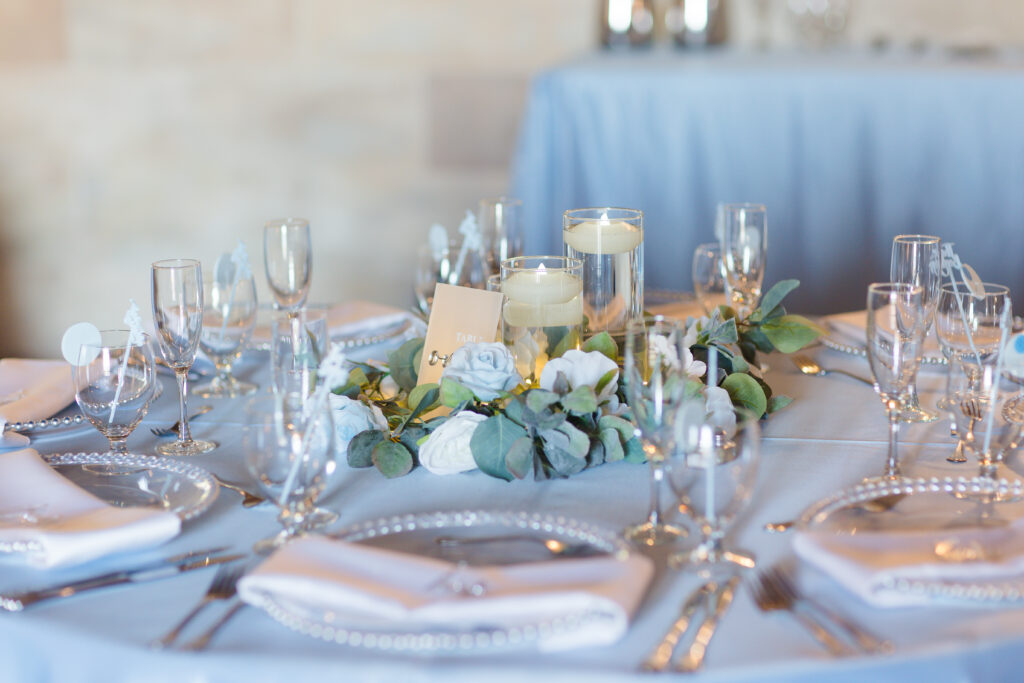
{"x": 713, "y": 472}
{"x": 744, "y": 240}
{"x": 114, "y": 384}
{"x": 229, "y": 316}
{"x": 501, "y": 227}
{"x": 916, "y": 260}
{"x": 655, "y": 384}
{"x": 178, "y": 317}
{"x": 288, "y": 257}
{"x": 895, "y": 335}
{"x": 288, "y": 442}
{"x": 708, "y": 276}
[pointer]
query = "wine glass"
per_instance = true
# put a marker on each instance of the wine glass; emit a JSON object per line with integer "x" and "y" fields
{"x": 288, "y": 257}
{"x": 114, "y": 384}
{"x": 969, "y": 326}
{"x": 744, "y": 241}
{"x": 655, "y": 384}
{"x": 288, "y": 446}
{"x": 229, "y": 316}
{"x": 297, "y": 345}
{"x": 178, "y": 317}
{"x": 916, "y": 260}
{"x": 713, "y": 472}
{"x": 895, "y": 336}
{"x": 708, "y": 276}
{"x": 501, "y": 227}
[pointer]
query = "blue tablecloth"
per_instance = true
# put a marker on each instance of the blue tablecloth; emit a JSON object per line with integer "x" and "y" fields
{"x": 846, "y": 151}
{"x": 833, "y": 435}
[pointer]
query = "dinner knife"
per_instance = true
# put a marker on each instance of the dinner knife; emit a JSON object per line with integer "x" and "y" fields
{"x": 662, "y": 654}
{"x": 720, "y": 603}
{"x": 161, "y": 569}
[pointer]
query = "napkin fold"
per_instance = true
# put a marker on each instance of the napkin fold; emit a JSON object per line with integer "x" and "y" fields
{"x": 66, "y": 524}
{"x": 851, "y": 329}
{"x": 870, "y": 563}
{"x": 34, "y": 389}
{"x": 352, "y": 319}
{"x": 360, "y": 582}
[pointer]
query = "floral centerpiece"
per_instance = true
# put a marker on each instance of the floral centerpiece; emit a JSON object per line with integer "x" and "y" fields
{"x": 576, "y": 418}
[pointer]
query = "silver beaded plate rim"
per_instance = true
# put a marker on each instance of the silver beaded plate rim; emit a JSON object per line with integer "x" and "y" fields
{"x": 191, "y": 475}
{"x": 861, "y": 352}
{"x": 994, "y": 591}
{"x": 393, "y": 638}
{"x": 59, "y": 426}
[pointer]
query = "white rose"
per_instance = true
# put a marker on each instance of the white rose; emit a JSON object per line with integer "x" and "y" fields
{"x": 582, "y": 368}
{"x": 351, "y": 417}
{"x": 486, "y": 369}
{"x": 446, "y": 450}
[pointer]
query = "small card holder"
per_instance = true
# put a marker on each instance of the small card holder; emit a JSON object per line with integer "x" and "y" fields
{"x": 459, "y": 315}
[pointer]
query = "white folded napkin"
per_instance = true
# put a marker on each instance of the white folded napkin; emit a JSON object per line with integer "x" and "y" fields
{"x": 64, "y": 524}
{"x": 34, "y": 389}
{"x": 367, "y": 583}
{"x": 355, "y": 319}
{"x": 870, "y": 563}
{"x": 851, "y": 329}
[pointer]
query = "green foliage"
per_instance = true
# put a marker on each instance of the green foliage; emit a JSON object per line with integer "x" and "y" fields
{"x": 745, "y": 391}
{"x": 603, "y": 343}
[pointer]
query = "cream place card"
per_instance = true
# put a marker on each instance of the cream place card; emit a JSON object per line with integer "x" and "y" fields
{"x": 459, "y": 315}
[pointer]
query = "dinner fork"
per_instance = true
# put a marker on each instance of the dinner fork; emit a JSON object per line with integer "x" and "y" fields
{"x": 970, "y": 408}
{"x": 769, "y": 597}
{"x": 173, "y": 429}
{"x": 808, "y": 366}
{"x": 223, "y": 586}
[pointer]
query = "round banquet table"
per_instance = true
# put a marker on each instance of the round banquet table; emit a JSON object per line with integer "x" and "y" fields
{"x": 832, "y": 435}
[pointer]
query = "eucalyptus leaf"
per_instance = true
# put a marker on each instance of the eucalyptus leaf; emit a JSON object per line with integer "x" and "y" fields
{"x": 776, "y": 403}
{"x": 606, "y": 378}
{"x": 634, "y": 452}
{"x": 790, "y": 333}
{"x": 519, "y": 459}
{"x": 596, "y": 454}
{"x": 538, "y": 400}
{"x": 564, "y": 463}
{"x": 514, "y": 410}
{"x": 579, "y": 442}
{"x": 612, "y": 445}
{"x": 571, "y": 340}
{"x": 358, "y": 377}
{"x": 403, "y": 363}
{"x": 422, "y": 398}
{"x": 360, "y": 448}
{"x": 561, "y": 386}
{"x": 760, "y": 341}
{"x": 623, "y": 427}
{"x": 774, "y": 296}
{"x": 580, "y": 401}
{"x": 454, "y": 394}
{"x": 412, "y": 436}
{"x": 603, "y": 343}
{"x": 492, "y": 439}
{"x": 745, "y": 391}
{"x": 392, "y": 459}
{"x": 350, "y": 390}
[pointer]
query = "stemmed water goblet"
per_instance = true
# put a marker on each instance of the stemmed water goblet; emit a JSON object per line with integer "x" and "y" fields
{"x": 895, "y": 336}
{"x": 288, "y": 445}
{"x": 655, "y": 385}
{"x": 713, "y": 472}
{"x": 114, "y": 384}
{"x": 743, "y": 235}
{"x": 288, "y": 257}
{"x": 178, "y": 318}
{"x": 229, "y": 316}
{"x": 969, "y": 324}
{"x": 708, "y": 276}
{"x": 916, "y": 260}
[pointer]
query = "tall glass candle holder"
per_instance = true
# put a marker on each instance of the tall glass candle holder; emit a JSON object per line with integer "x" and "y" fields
{"x": 542, "y": 316}
{"x": 610, "y": 242}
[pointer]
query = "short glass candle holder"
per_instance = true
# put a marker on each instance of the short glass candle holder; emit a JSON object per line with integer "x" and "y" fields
{"x": 542, "y": 315}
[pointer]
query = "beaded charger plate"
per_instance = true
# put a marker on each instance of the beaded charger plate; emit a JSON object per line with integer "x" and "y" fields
{"x": 470, "y": 537}
{"x": 955, "y": 510}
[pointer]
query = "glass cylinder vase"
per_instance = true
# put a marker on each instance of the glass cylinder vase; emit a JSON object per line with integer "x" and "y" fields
{"x": 542, "y": 315}
{"x": 610, "y": 243}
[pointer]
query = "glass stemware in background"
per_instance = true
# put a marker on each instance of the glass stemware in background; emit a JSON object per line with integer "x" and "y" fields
{"x": 114, "y": 385}
{"x": 298, "y": 342}
{"x": 445, "y": 267}
{"x": 655, "y": 385}
{"x": 916, "y": 260}
{"x": 708, "y": 276}
{"x": 895, "y": 336}
{"x": 744, "y": 240}
{"x": 178, "y": 318}
{"x": 288, "y": 444}
{"x": 969, "y": 326}
{"x": 713, "y": 471}
{"x": 229, "y": 316}
{"x": 288, "y": 257}
{"x": 501, "y": 227}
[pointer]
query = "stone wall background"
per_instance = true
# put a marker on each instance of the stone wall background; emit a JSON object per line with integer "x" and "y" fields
{"x": 135, "y": 130}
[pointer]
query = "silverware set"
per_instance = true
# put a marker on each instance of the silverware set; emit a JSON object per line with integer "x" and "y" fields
{"x": 809, "y": 366}
{"x": 774, "y": 591}
{"x": 223, "y": 587}
{"x": 712, "y": 600}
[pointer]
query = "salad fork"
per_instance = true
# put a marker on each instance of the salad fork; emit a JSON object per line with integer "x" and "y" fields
{"x": 173, "y": 429}
{"x": 769, "y": 597}
{"x": 222, "y": 587}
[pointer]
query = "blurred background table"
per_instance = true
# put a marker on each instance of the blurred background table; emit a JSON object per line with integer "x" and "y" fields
{"x": 846, "y": 150}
